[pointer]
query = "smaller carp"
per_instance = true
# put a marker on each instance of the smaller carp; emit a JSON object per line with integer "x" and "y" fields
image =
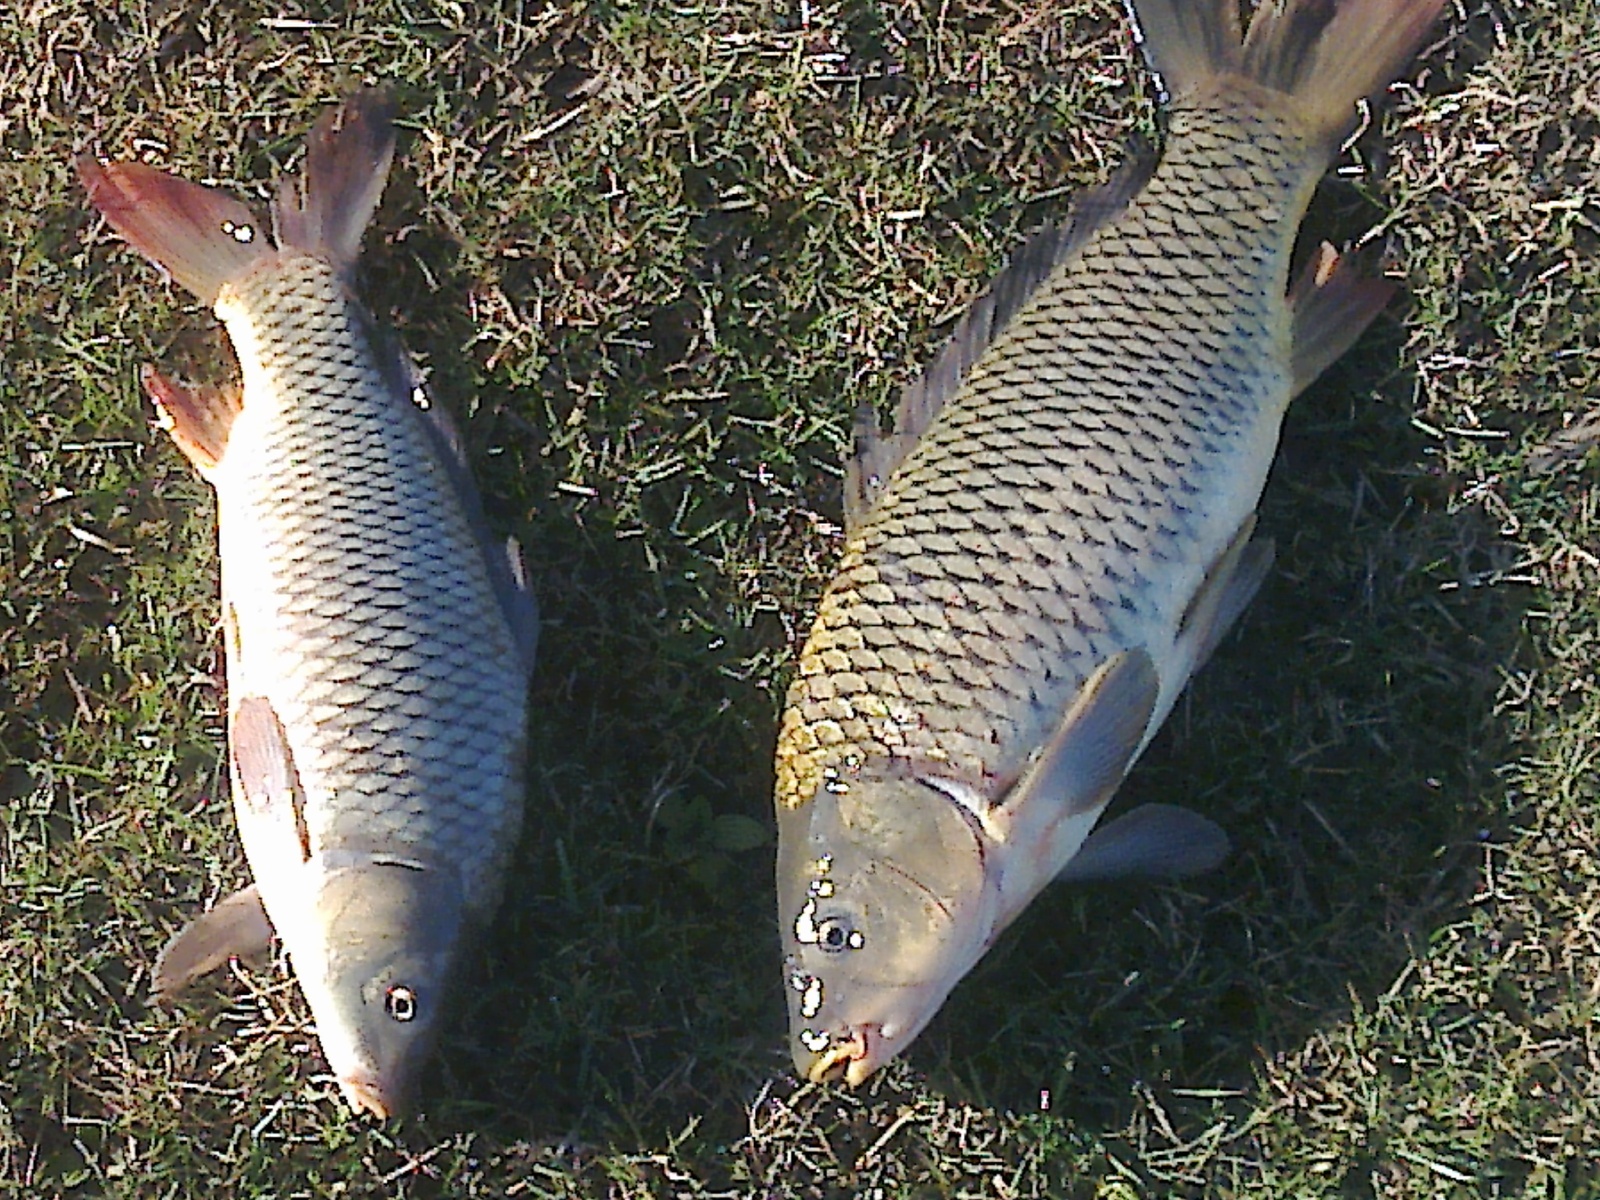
{"x": 378, "y": 641}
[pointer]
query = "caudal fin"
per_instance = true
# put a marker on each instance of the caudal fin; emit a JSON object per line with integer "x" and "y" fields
{"x": 326, "y": 209}
{"x": 204, "y": 239}
{"x": 1326, "y": 54}
{"x": 199, "y": 236}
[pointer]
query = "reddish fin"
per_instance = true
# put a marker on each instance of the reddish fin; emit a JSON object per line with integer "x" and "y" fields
{"x": 197, "y": 418}
{"x": 199, "y": 236}
{"x": 1332, "y": 306}
{"x": 1326, "y": 54}
{"x": 264, "y": 770}
{"x": 326, "y": 209}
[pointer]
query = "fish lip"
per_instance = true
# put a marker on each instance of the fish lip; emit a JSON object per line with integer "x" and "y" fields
{"x": 853, "y": 1056}
{"x": 366, "y": 1094}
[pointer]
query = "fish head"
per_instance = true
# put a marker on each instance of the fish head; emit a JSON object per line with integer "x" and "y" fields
{"x": 884, "y": 904}
{"x": 383, "y": 950}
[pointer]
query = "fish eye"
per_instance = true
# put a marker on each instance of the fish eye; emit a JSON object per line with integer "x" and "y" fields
{"x": 833, "y": 934}
{"x": 400, "y": 1002}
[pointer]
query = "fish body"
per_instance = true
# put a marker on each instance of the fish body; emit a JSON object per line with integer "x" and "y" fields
{"x": 1059, "y": 530}
{"x": 378, "y": 643}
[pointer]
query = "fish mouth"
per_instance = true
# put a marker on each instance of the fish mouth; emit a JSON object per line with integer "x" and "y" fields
{"x": 366, "y": 1095}
{"x": 851, "y": 1058}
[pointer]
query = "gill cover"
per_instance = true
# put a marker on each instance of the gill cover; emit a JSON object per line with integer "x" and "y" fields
{"x": 884, "y": 906}
{"x": 389, "y": 930}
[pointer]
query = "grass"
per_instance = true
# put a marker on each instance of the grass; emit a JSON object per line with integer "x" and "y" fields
{"x": 654, "y": 256}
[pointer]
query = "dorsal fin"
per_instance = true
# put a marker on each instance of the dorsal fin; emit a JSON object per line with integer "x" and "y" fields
{"x": 876, "y": 453}
{"x": 508, "y": 571}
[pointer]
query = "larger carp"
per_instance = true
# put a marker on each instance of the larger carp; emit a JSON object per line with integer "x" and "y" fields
{"x": 378, "y": 642}
{"x": 1058, "y": 531}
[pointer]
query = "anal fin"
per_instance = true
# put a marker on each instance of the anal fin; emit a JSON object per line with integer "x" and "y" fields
{"x": 197, "y": 419}
{"x": 1332, "y": 307}
{"x": 236, "y": 928}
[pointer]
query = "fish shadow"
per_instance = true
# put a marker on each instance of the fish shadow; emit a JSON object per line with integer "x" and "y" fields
{"x": 1344, "y": 736}
{"x": 629, "y": 977}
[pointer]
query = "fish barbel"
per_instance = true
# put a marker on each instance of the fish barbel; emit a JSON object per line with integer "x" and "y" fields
{"x": 378, "y": 643}
{"x": 1058, "y": 531}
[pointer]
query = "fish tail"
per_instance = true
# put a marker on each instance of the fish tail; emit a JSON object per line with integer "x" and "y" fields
{"x": 326, "y": 209}
{"x": 196, "y": 234}
{"x": 1325, "y": 54}
{"x": 204, "y": 239}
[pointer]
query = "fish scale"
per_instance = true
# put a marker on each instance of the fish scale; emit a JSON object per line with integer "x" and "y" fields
{"x": 1020, "y": 543}
{"x": 378, "y": 640}
{"x": 403, "y": 678}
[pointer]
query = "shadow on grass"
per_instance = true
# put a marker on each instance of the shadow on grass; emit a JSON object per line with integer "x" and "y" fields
{"x": 629, "y": 978}
{"x": 1346, "y": 739}
{"x": 1344, "y": 736}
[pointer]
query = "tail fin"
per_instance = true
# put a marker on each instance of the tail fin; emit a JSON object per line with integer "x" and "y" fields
{"x": 201, "y": 237}
{"x": 1326, "y": 54}
{"x": 326, "y": 210}
{"x": 204, "y": 238}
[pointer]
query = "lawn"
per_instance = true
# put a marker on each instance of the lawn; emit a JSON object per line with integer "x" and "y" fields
{"x": 653, "y": 257}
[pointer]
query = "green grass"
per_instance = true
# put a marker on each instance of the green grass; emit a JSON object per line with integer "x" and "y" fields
{"x": 654, "y": 256}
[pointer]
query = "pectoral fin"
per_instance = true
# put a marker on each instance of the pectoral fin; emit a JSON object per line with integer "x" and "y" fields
{"x": 236, "y": 927}
{"x": 1153, "y": 840}
{"x": 1083, "y": 763}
